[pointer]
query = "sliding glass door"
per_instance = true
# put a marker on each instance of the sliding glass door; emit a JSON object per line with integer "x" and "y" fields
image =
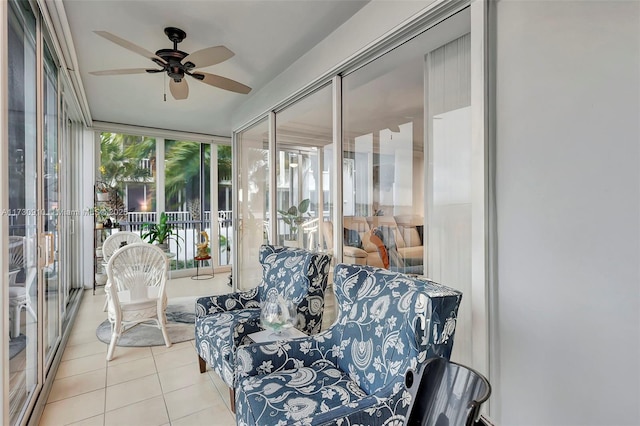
{"x": 252, "y": 215}
{"x": 407, "y": 152}
{"x": 38, "y": 289}
{"x": 50, "y": 238}
{"x": 22, "y": 306}
{"x": 408, "y": 200}
{"x": 304, "y": 156}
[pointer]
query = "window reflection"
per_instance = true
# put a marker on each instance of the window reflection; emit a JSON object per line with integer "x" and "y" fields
{"x": 383, "y": 180}
{"x": 304, "y": 146}
{"x": 253, "y": 202}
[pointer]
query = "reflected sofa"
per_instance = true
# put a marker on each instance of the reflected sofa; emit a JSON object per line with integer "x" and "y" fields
{"x": 362, "y": 242}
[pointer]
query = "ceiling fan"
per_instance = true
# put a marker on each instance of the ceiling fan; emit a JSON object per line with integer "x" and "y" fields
{"x": 177, "y": 64}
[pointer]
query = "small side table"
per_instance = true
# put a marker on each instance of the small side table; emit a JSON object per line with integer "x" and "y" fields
{"x": 269, "y": 336}
{"x": 198, "y": 275}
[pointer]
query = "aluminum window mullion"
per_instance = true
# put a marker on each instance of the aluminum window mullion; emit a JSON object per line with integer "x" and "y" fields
{"x": 4, "y": 206}
{"x": 235, "y": 204}
{"x": 214, "y": 218}
{"x": 160, "y": 169}
{"x": 337, "y": 168}
{"x": 273, "y": 182}
{"x": 40, "y": 302}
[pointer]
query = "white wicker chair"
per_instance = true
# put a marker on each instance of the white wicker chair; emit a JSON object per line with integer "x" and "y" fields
{"x": 137, "y": 276}
{"x": 16, "y": 255}
{"x": 113, "y": 242}
{"x": 21, "y": 255}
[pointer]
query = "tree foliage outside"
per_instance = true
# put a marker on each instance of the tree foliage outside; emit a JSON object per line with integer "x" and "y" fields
{"x": 122, "y": 160}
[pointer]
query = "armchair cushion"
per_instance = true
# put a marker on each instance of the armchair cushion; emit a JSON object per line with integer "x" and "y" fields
{"x": 301, "y": 276}
{"x": 292, "y": 396}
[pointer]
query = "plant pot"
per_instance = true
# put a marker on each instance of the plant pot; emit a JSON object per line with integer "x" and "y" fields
{"x": 101, "y": 279}
{"x": 102, "y": 196}
{"x": 163, "y": 246}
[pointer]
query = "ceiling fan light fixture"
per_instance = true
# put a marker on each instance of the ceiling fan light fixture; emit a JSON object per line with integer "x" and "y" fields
{"x": 176, "y": 63}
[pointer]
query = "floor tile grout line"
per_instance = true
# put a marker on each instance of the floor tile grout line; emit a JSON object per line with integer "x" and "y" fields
{"x": 104, "y": 403}
{"x": 164, "y": 399}
{"x": 86, "y": 337}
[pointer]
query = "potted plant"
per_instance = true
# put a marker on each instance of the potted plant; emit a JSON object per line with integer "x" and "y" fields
{"x": 101, "y": 214}
{"x": 161, "y": 232}
{"x": 294, "y": 217}
{"x": 103, "y": 191}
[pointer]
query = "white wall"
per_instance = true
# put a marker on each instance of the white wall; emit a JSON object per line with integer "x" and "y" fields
{"x": 568, "y": 196}
{"x": 372, "y": 21}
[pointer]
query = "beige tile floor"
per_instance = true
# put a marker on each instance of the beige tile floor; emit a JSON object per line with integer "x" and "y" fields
{"x": 140, "y": 386}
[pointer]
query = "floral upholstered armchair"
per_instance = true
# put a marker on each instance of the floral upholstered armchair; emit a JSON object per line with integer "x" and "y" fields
{"x": 224, "y": 322}
{"x": 353, "y": 372}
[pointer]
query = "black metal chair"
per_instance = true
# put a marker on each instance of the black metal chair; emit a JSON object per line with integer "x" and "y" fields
{"x": 445, "y": 393}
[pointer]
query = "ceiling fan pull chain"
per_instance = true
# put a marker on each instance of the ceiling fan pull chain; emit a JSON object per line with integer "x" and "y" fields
{"x": 165, "y": 87}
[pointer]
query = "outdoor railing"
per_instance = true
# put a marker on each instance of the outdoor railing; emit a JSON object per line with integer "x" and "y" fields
{"x": 189, "y": 231}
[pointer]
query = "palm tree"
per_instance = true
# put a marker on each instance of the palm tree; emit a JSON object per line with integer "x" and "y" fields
{"x": 184, "y": 172}
{"x": 120, "y": 158}
{"x": 224, "y": 162}
{"x": 121, "y": 163}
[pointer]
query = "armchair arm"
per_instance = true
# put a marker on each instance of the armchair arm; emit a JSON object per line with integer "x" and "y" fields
{"x": 354, "y": 252}
{"x": 245, "y": 326}
{"x": 354, "y": 255}
{"x": 269, "y": 357}
{"x": 227, "y": 302}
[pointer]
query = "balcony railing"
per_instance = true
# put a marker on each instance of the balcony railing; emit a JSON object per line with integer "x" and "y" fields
{"x": 189, "y": 231}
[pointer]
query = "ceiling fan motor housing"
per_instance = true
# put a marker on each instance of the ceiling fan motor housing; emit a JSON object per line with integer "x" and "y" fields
{"x": 173, "y": 57}
{"x": 174, "y": 66}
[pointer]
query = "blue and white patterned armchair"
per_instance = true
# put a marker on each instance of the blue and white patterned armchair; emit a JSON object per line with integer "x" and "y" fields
{"x": 223, "y": 322}
{"x": 353, "y": 372}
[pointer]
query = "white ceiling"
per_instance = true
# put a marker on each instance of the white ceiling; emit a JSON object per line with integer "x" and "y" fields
{"x": 266, "y": 35}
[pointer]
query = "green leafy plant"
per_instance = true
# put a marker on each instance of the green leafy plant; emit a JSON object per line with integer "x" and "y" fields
{"x": 161, "y": 232}
{"x": 295, "y": 216}
{"x": 102, "y": 187}
{"x": 101, "y": 213}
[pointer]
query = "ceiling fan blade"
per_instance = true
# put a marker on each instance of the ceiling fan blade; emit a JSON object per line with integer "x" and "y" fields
{"x": 179, "y": 90}
{"x": 209, "y": 56}
{"x": 120, "y": 72}
{"x": 224, "y": 83}
{"x": 127, "y": 45}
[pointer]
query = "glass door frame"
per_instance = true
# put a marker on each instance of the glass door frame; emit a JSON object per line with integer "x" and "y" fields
{"x": 483, "y": 219}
